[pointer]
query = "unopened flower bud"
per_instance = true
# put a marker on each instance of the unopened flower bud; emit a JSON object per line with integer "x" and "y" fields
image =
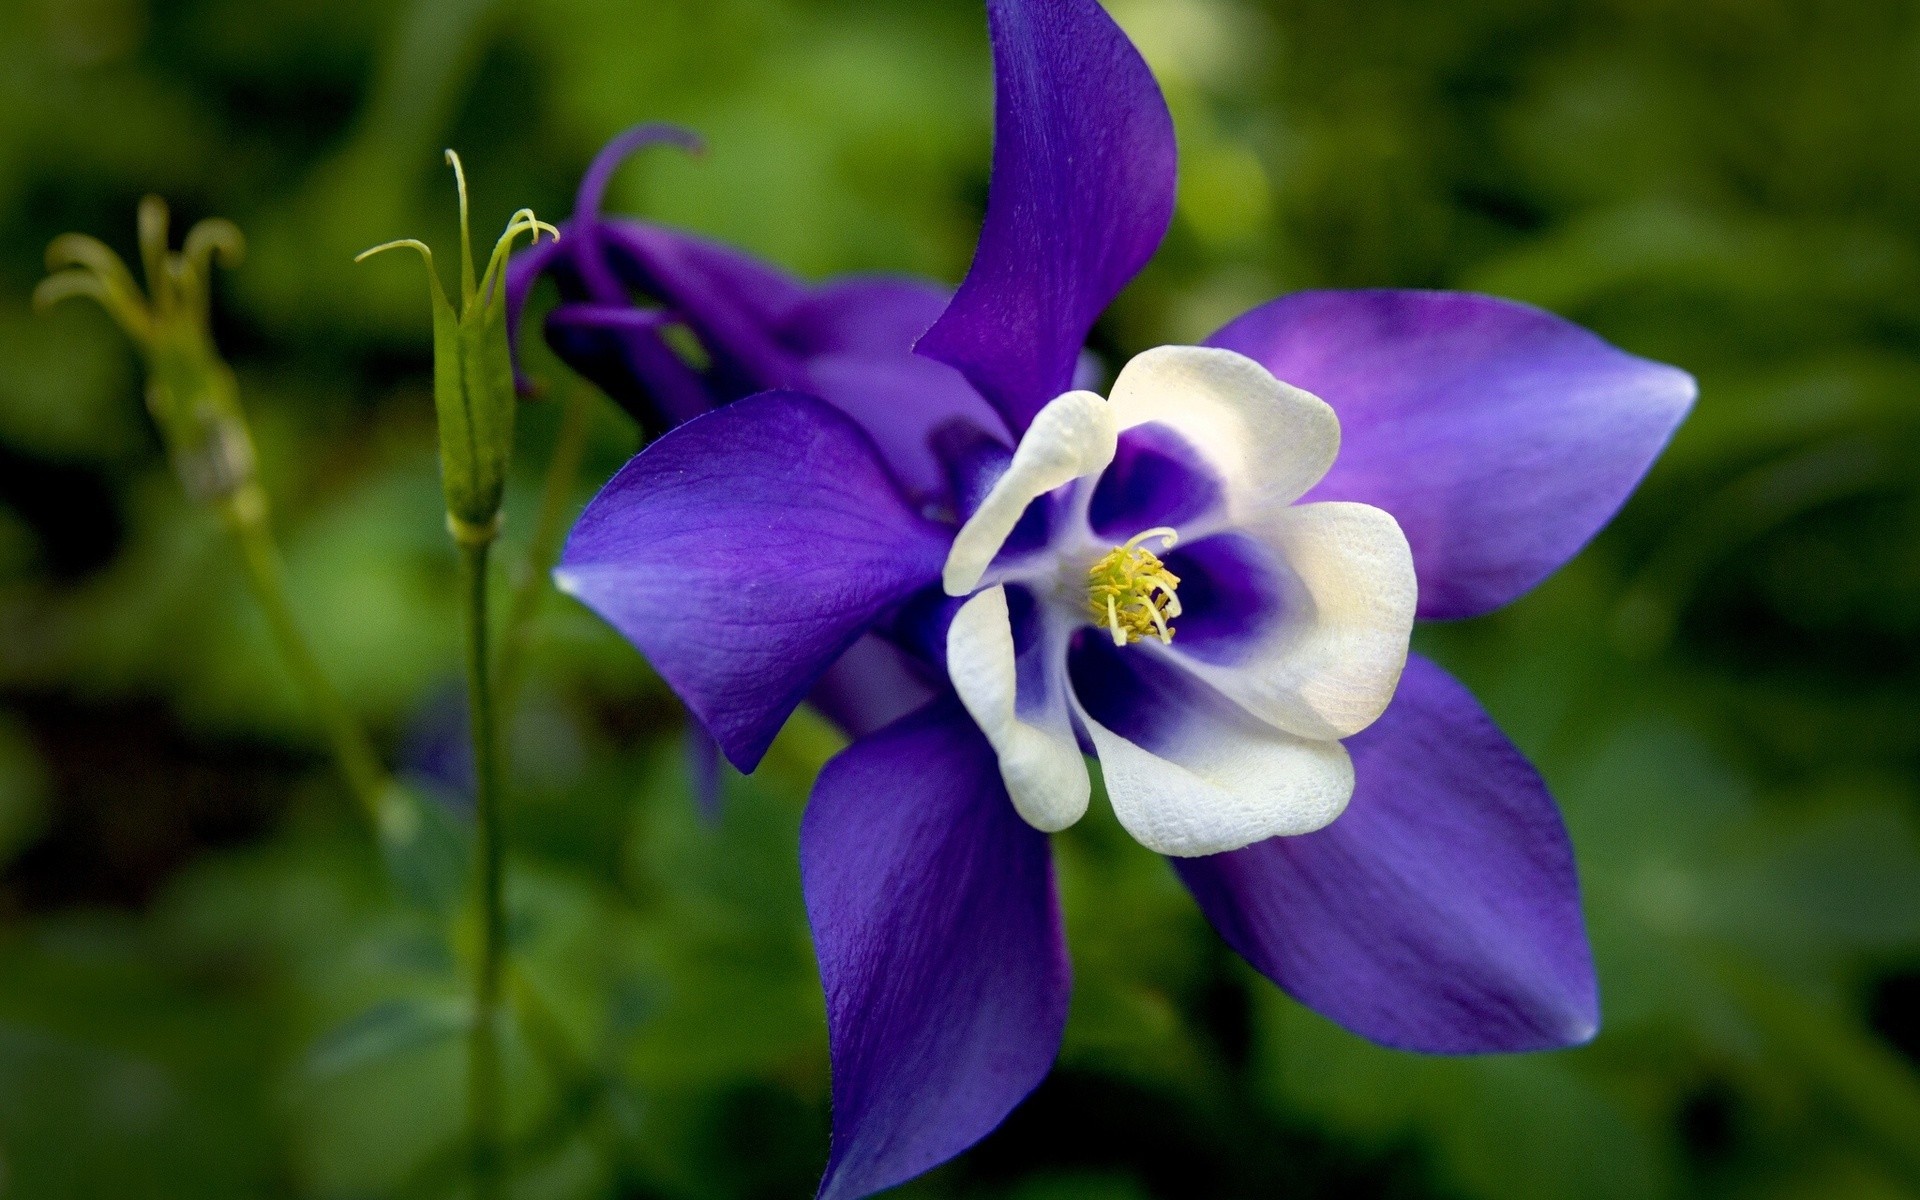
{"x": 473, "y": 391}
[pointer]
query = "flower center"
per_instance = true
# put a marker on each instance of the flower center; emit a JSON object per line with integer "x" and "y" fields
{"x": 1131, "y": 592}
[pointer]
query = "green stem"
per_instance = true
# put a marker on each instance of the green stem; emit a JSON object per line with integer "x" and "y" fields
{"x": 484, "y": 1083}
{"x": 530, "y": 585}
{"x": 245, "y": 512}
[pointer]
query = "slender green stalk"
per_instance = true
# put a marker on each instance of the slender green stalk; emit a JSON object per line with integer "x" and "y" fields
{"x": 484, "y": 1091}
{"x": 245, "y": 512}
{"x": 530, "y": 585}
{"x": 475, "y": 404}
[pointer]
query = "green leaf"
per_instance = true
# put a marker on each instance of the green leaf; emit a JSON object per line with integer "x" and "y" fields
{"x": 388, "y": 1030}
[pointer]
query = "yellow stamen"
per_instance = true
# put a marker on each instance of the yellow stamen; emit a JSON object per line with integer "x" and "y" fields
{"x": 1131, "y": 592}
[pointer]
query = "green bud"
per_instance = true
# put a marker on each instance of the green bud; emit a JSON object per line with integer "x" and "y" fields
{"x": 190, "y": 392}
{"x": 473, "y": 373}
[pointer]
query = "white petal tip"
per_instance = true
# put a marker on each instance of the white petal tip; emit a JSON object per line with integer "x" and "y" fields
{"x": 1072, "y": 437}
{"x": 1040, "y": 764}
{"x": 1051, "y": 815}
{"x": 1195, "y": 845}
{"x": 1227, "y": 782}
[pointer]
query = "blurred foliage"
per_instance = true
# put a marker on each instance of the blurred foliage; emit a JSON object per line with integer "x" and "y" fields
{"x": 208, "y": 986}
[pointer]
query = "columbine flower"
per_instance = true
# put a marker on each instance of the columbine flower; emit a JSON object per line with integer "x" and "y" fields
{"x": 1207, "y": 579}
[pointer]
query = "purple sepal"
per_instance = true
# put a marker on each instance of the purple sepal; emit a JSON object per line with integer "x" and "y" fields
{"x": 938, "y": 931}
{"x": 1081, "y": 194}
{"x": 1441, "y": 911}
{"x": 900, "y": 400}
{"x": 865, "y": 314}
{"x": 744, "y": 552}
{"x": 872, "y": 685}
{"x": 1500, "y": 437}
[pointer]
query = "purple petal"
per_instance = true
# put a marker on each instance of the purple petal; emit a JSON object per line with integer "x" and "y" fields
{"x": 764, "y": 293}
{"x": 935, "y": 920}
{"x": 1156, "y": 478}
{"x": 900, "y": 399}
{"x": 1231, "y": 591}
{"x": 1082, "y": 191}
{"x": 744, "y": 552}
{"x": 1500, "y": 437}
{"x": 865, "y": 314}
{"x": 1440, "y": 912}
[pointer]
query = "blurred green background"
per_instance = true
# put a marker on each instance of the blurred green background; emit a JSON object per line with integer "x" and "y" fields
{"x": 208, "y": 987}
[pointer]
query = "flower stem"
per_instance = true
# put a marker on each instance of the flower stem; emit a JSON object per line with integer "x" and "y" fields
{"x": 530, "y": 585}
{"x": 245, "y": 512}
{"x": 484, "y": 1084}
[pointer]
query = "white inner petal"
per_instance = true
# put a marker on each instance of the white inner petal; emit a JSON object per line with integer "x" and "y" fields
{"x": 1221, "y": 781}
{"x": 1040, "y": 762}
{"x": 1329, "y": 666}
{"x": 1269, "y": 441}
{"x": 1074, "y": 435}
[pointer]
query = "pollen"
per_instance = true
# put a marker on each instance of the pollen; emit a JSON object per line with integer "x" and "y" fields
{"x": 1130, "y": 591}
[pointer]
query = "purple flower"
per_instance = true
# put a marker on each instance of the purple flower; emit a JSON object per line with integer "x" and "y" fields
{"x": 1206, "y": 579}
